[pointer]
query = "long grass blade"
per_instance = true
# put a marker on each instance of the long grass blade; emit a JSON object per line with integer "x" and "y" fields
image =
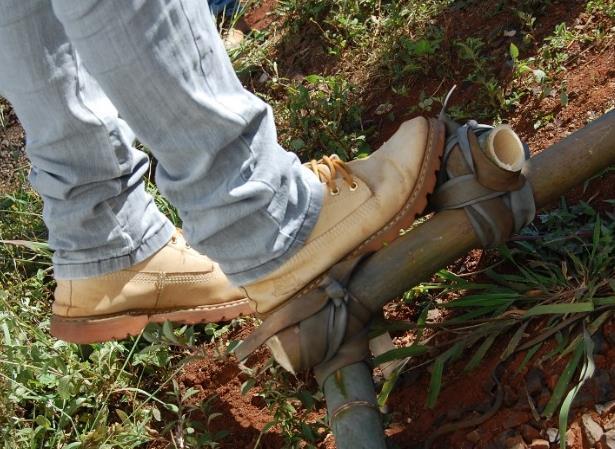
{"x": 586, "y": 373}
{"x": 435, "y": 384}
{"x": 39, "y": 247}
{"x": 552, "y": 309}
{"x": 483, "y": 300}
{"x": 591, "y": 328}
{"x": 605, "y": 301}
{"x": 401, "y": 353}
{"x": 387, "y": 387}
{"x": 563, "y": 382}
{"x": 514, "y": 341}
{"x": 480, "y": 352}
{"x": 528, "y": 356}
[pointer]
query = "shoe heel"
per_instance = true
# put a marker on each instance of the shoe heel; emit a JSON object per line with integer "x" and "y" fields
{"x": 85, "y": 331}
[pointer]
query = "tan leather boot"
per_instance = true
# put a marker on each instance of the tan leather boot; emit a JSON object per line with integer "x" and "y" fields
{"x": 176, "y": 284}
{"x": 368, "y": 201}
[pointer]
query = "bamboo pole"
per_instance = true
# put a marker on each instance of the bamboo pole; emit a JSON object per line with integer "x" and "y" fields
{"x": 351, "y": 401}
{"x": 439, "y": 241}
{"x": 449, "y": 235}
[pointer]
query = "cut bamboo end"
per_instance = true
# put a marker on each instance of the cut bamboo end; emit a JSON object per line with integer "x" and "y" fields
{"x": 286, "y": 349}
{"x": 504, "y": 148}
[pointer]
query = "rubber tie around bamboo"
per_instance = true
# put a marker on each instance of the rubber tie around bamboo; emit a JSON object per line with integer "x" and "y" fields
{"x": 482, "y": 173}
{"x": 325, "y": 328}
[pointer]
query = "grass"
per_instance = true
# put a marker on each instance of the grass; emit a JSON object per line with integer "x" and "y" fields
{"x": 334, "y": 72}
{"x": 59, "y": 395}
{"x": 559, "y": 281}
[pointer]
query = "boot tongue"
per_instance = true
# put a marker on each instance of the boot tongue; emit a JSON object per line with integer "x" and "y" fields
{"x": 319, "y": 169}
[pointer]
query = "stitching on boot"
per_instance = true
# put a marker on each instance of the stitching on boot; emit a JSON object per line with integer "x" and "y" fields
{"x": 151, "y": 312}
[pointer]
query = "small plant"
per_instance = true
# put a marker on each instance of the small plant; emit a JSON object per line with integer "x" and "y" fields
{"x": 416, "y": 55}
{"x": 289, "y": 400}
{"x": 323, "y": 118}
{"x": 190, "y": 426}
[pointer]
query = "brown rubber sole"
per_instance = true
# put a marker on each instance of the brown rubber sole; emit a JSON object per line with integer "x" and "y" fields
{"x": 116, "y": 327}
{"x": 417, "y": 201}
{"x": 414, "y": 206}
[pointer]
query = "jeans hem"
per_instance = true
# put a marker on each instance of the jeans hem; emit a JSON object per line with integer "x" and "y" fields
{"x": 146, "y": 249}
{"x": 252, "y": 274}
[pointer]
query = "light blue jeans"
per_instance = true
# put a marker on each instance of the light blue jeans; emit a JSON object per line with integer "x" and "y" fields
{"x": 69, "y": 66}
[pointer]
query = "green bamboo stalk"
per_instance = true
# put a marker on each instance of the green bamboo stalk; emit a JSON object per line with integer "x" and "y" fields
{"x": 353, "y": 408}
{"x": 439, "y": 241}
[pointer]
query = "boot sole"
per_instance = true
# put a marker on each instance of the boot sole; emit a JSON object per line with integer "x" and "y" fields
{"x": 417, "y": 201}
{"x": 414, "y": 206}
{"x": 85, "y": 330}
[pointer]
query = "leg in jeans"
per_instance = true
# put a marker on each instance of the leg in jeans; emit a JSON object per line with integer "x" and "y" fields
{"x": 100, "y": 218}
{"x": 245, "y": 202}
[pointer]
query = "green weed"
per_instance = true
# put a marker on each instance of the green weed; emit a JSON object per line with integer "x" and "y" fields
{"x": 563, "y": 274}
{"x": 290, "y": 401}
{"x": 59, "y": 395}
{"x": 323, "y": 119}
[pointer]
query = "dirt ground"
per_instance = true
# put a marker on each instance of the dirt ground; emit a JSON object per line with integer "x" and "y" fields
{"x": 591, "y": 88}
{"x": 464, "y": 396}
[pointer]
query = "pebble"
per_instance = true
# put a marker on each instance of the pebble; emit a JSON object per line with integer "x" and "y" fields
{"x": 539, "y": 444}
{"x": 515, "y": 419}
{"x": 591, "y": 429}
{"x": 483, "y": 407}
{"x": 495, "y": 445}
{"x": 610, "y": 439}
{"x": 553, "y": 434}
{"x": 499, "y": 442}
{"x": 605, "y": 408}
{"x": 585, "y": 397}
{"x": 552, "y": 380}
{"x": 573, "y": 436}
{"x": 516, "y": 442}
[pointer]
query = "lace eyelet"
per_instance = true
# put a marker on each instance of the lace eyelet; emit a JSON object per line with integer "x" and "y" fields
{"x": 354, "y": 186}
{"x": 335, "y": 191}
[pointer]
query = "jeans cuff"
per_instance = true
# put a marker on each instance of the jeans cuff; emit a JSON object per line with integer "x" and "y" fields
{"x": 310, "y": 218}
{"x": 146, "y": 249}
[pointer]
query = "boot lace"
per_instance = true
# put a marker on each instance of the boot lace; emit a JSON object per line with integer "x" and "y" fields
{"x": 326, "y": 170}
{"x": 179, "y": 235}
